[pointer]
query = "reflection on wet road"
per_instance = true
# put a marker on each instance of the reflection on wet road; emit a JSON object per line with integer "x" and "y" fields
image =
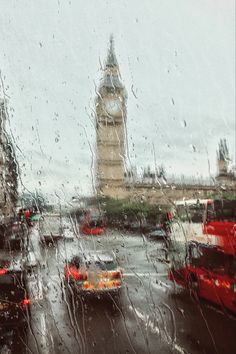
{"x": 151, "y": 315}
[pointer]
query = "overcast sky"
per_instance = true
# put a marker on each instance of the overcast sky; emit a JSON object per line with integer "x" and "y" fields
{"x": 177, "y": 63}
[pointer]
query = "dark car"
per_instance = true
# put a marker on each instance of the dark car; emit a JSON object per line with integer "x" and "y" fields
{"x": 158, "y": 234}
{"x": 14, "y": 300}
{"x": 93, "y": 273}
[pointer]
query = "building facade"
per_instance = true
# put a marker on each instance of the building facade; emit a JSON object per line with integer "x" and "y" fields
{"x": 225, "y": 175}
{"x": 113, "y": 179}
{"x": 8, "y": 170}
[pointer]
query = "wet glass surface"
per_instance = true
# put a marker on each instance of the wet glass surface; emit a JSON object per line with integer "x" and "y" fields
{"x": 117, "y": 177}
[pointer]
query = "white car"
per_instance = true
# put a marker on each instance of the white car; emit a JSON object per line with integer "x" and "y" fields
{"x": 50, "y": 228}
{"x": 93, "y": 273}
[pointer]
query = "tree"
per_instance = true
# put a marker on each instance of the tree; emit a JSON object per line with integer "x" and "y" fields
{"x": 119, "y": 210}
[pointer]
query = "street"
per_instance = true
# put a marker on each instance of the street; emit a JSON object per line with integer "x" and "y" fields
{"x": 151, "y": 316}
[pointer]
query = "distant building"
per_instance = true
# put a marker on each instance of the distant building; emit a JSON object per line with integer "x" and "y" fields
{"x": 225, "y": 176}
{"x": 114, "y": 179}
{"x": 8, "y": 170}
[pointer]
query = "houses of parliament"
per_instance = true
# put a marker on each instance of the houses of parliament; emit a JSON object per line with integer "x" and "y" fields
{"x": 113, "y": 178}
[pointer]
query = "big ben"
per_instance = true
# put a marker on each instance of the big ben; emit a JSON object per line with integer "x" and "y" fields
{"x": 110, "y": 128}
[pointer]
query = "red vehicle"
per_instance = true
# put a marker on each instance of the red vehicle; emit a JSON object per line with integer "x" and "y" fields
{"x": 92, "y": 230}
{"x": 14, "y": 300}
{"x": 220, "y": 223}
{"x": 92, "y": 223}
{"x": 209, "y": 269}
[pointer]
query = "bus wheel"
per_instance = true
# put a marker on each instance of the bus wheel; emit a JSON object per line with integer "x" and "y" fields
{"x": 193, "y": 285}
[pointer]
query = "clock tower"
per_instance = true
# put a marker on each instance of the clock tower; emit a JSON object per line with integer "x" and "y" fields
{"x": 110, "y": 128}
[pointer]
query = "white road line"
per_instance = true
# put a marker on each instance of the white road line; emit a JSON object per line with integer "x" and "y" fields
{"x": 36, "y": 290}
{"x": 44, "y": 342}
{"x": 155, "y": 329}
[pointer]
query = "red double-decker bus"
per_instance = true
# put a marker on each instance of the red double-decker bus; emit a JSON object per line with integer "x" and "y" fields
{"x": 206, "y": 262}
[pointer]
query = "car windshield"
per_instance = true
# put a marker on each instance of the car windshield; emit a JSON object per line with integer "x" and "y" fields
{"x": 117, "y": 176}
{"x": 209, "y": 258}
{"x": 106, "y": 265}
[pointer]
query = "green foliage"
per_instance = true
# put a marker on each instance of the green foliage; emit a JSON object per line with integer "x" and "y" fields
{"x": 230, "y": 195}
{"x": 118, "y": 209}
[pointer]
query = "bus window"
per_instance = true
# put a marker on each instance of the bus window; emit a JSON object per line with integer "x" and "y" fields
{"x": 211, "y": 215}
{"x": 225, "y": 210}
{"x": 214, "y": 261}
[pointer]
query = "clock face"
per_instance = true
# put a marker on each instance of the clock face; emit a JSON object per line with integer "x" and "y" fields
{"x": 113, "y": 106}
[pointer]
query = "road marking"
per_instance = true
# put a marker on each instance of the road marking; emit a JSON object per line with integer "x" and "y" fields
{"x": 155, "y": 329}
{"x": 43, "y": 337}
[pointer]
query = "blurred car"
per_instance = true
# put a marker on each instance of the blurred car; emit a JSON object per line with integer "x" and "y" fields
{"x": 92, "y": 230}
{"x": 68, "y": 228}
{"x": 93, "y": 273}
{"x": 50, "y": 229}
{"x": 35, "y": 217}
{"x": 14, "y": 300}
{"x": 135, "y": 226}
{"x": 158, "y": 234}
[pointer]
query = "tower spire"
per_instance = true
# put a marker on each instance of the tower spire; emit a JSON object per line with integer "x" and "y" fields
{"x": 111, "y": 42}
{"x": 111, "y": 57}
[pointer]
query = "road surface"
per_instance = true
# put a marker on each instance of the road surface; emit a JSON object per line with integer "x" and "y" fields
{"x": 151, "y": 316}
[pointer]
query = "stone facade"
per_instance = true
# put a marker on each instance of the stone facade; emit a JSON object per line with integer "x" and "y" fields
{"x": 166, "y": 194}
{"x": 110, "y": 127}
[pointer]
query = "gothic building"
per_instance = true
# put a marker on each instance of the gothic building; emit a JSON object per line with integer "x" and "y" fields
{"x": 225, "y": 176}
{"x": 8, "y": 170}
{"x": 113, "y": 179}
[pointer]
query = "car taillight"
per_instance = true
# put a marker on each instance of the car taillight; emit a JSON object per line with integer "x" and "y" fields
{"x": 116, "y": 275}
{"x": 3, "y": 271}
{"x": 116, "y": 283}
{"x": 25, "y": 302}
{"x": 225, "y": 284}
{"x": 86, "y": 285}
{"x": 75, "y": 273}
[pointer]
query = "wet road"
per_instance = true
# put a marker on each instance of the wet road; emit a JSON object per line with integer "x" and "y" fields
{"x": 151, "y": 316}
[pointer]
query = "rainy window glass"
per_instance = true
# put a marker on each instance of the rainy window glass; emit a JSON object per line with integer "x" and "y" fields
{"x": 117, "y": 177}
